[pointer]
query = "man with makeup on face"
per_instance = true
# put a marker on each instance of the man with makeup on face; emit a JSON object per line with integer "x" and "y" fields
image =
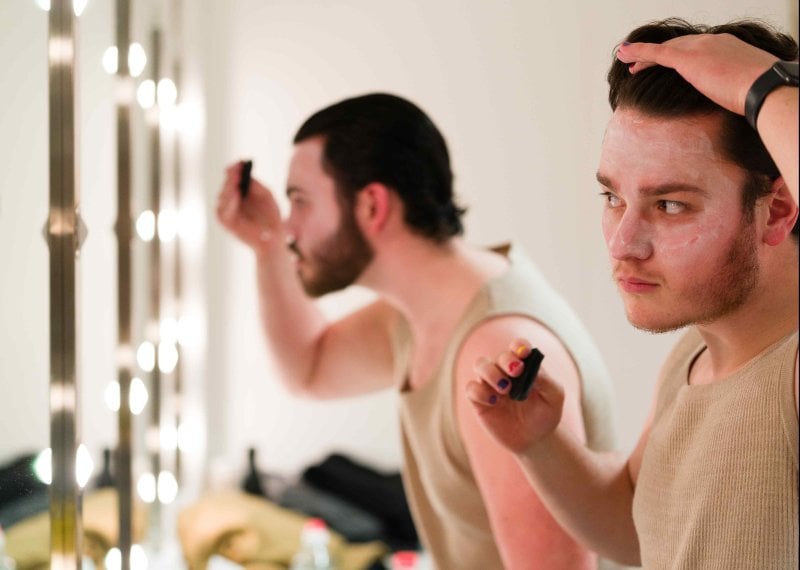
{"x": 700, "y": 220}
{"x": 372, "y": 203}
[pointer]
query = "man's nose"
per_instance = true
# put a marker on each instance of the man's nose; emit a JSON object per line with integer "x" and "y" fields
{"x": 631, "y": 238}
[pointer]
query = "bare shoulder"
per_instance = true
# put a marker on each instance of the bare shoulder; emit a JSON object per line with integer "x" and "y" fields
{"x": 495, "y": 335}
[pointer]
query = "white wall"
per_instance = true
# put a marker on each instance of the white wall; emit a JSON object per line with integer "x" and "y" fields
{"x": 517, "y": 87}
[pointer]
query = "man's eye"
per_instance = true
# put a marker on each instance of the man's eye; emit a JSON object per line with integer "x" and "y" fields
{"x": 671, "y": 206}
{"x": 611, "y": 200}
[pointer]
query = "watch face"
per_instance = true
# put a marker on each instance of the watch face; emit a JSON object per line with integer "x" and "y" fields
{"x": 788, "y": 71}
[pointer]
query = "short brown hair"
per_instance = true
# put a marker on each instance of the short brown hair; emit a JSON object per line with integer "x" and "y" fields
{"x": 662, "y": 92}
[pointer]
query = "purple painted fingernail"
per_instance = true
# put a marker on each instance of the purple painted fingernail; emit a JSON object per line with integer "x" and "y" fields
{"x": 626, "y": 43}
{"x": 493, "y": 399}
{"x": 502, "y": 384}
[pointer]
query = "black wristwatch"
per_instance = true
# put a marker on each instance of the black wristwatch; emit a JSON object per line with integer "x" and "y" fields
{"x": 782, "y": 73}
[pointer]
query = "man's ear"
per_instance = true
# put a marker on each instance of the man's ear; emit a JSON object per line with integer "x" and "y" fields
{"x": 373, "y": 207}
{"x": 781, "y": 213}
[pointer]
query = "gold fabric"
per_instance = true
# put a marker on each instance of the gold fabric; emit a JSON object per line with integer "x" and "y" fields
{"x": 256, "y": 533}
{"x": 28, "y": 541}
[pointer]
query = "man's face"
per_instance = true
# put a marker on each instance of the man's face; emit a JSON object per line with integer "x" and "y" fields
{"x": 331, "y": 252}
{"x": 681, "y": 248}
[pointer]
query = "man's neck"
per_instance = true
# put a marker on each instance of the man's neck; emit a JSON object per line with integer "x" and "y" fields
{"x": 431, "y": 284}
{"x": 770, "y": 314}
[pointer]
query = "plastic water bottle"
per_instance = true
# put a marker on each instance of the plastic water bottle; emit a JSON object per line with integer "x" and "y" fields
{"x": 313, "y": 553}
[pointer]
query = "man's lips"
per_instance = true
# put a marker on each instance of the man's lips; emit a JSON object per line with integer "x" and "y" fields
{"x": 632, "y": 284}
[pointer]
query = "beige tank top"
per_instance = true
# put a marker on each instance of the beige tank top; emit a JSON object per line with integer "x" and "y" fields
{"x": 447, "y": 506}
{"x": 718, "y": 484}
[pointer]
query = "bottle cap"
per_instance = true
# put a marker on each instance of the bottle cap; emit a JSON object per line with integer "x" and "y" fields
{"x": 404, "y": 559}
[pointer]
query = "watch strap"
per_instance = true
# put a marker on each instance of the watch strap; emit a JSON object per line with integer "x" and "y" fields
{"x": 781, "y": 73}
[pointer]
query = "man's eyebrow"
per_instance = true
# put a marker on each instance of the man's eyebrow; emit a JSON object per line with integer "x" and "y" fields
{"x": 658, "y": 189}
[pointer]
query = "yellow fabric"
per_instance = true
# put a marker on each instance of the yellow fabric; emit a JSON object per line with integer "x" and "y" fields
{"x": 445, "y": 500}
{"x": 256, "y": 534}
{"x": 28, "y": 541}
{"x": 718, "y": 486}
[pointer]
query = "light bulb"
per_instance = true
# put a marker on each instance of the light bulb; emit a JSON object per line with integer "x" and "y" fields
{"x": 146, "y": 225}
{"x": 137, "y": 59}
{"x": 138, "y": 396}
{"x": 110, "y": 61}
{"x": 146, "y": 94}
{"x": 146, "y": 356}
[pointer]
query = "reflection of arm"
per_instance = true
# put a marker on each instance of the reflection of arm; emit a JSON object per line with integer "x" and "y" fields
{"x": 320, "y": 359}
{"x": 526, "y": 533}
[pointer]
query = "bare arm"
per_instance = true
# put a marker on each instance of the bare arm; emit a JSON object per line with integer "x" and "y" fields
{"x": 527, "y": 534}
{"x": 723, "y": 68}
{"x": 589, "y": 493}
{"x": 316, "y": 358}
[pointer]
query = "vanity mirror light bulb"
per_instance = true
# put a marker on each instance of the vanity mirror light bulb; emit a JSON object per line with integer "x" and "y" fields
{"x": 167, "y": 488}
{"x": 113, "y": 559}
{"x": 138, "y": 396}
{"x": 110, "y": 60}
{"x": 146, "y": 94}
{"x": 146, "y": 356}
{"x": 167, "y": 224}
{"x": 43, "y": 466}
{"x": 167, "y": 357}
{"x": 167, "y": 93}
{"x": 137, "y": 59}
{"x": 78, "y": 6}
{"x": 146, "y": 225}
{"x": 83, "y": 466}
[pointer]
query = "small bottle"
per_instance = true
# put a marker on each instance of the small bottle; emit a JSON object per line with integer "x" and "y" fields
{"x": 252, "y": 481}
{"x": 313, "y": 553}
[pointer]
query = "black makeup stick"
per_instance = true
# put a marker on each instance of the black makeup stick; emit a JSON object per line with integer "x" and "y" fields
{"x": 244, "y": 181}
{"x": 521, "y": 385}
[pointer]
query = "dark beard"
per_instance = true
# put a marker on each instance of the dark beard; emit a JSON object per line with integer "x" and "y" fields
{"x": 338, "y": 261}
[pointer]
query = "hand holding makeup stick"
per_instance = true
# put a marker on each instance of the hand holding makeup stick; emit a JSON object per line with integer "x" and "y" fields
{"x": 723, "y": 68}
{"x": 515, "y": 424}
{"x": 256, "y": 219}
